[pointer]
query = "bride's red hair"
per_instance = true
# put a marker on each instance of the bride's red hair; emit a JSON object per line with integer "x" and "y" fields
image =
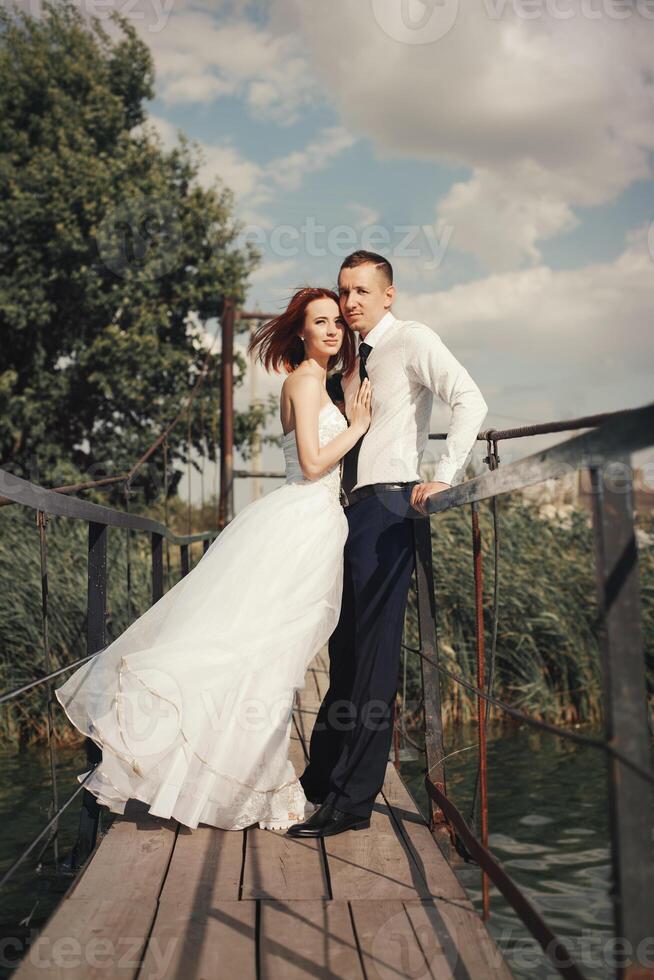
{"x": 277, "y": 343}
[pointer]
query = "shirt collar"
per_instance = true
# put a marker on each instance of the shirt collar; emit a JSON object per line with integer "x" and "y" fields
{"x": 375, "y": 335}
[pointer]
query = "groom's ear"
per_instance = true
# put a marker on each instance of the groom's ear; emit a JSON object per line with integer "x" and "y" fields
{"x": 390, "y": 295}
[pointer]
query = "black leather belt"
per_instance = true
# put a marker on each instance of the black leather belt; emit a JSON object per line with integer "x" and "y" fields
{"x": 370, "y": 489}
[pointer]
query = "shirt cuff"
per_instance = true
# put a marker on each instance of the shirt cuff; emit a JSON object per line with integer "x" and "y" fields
{"x": 444, "y": 472}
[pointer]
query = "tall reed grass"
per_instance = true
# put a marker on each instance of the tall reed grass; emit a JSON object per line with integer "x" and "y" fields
{"x": 547, "y": 648}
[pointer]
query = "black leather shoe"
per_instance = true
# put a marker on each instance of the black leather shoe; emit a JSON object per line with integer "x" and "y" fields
{"x": 327, "y": 821}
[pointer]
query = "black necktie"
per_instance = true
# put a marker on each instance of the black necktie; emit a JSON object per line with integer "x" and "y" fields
{"x": 349, "y": 475}
{"x": 364, "y": 350}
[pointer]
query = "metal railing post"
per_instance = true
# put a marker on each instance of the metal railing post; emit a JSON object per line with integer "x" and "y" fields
{"x": 156, "y": 546}
{"x": 184, "y": 557}
{"x": 631, "y": 800}
{"x": 426, "y": 608}
{"x": 96, "y": 639}
{"x": 481, "y": 684}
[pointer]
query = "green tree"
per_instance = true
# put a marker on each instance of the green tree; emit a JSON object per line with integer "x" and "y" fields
{"x": 112, "y": 257}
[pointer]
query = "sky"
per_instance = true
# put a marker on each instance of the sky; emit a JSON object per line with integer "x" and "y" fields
{"x": 498, "y": 153}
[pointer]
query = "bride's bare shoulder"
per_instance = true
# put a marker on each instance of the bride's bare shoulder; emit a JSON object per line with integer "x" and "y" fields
{"x": 301, "y": 380}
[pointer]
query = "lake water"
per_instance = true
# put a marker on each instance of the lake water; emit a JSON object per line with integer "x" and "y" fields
{"x": 547, "y": 825}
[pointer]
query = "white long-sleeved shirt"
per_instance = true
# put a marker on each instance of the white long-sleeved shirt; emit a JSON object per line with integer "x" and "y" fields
{"x": 407, "y": 366}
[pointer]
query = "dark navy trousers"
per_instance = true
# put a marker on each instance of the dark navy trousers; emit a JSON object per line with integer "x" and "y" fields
{"x": 353, "y": 731}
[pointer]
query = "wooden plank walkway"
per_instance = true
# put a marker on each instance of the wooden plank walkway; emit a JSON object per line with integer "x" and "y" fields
{"x": 158, "y": 900}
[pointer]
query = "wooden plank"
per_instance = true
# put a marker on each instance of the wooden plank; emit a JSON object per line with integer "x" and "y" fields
{"x": 435, "y": 869}
{"x": 389, "y": 946}
{"x": 375, "y": 863}
{"x": 455, "y": 941}
{"x": 89, "y": 938}
{"x": 279, "y": 867}
{"x": 308, "y": 939}
{"x": 102, "y": 924}
{"x": 207, "y": 939}
{"x": 205, "y": 867}
{"x": 134, "y": 840}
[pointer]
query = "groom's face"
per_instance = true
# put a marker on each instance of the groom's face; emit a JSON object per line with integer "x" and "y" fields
{"x": 364, "y": 297}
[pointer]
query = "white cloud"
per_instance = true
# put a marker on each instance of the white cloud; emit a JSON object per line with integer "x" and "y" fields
{"x": 254, "y": 184}
{"x": 243, "y": 176}
{"x": 499, "y": 217}
{"x": 200, "y": 58}
{"x": 287, "y": 172}
{"x": 548, "y": 113}
{"x": 365, "y": 216}
{"x": 588, "y": 327}
{"x": 271, "y": 271}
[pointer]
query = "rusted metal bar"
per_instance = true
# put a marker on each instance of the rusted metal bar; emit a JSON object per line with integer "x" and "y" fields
{"x": 39, "y": 498}
{"x": 550, "y": 943}
{"x": 481, "y": 704}
{"x": 631, "y": 803}
{"x": 544, "y": 428}
{"x": 624, "y": 435}
{"x": 75, "y": 487}
{"x": 516, "y": 433}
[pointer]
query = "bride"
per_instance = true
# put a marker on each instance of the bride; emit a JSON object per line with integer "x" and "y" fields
{"x": 192, "y": 704}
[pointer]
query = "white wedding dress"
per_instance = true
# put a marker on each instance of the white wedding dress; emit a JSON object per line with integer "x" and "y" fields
{"x": 192, "y": 704}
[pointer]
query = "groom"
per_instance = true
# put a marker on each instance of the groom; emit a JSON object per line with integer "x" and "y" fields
{"x": 407, "y": 365}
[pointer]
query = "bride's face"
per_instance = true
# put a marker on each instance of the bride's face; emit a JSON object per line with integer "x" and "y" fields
{"x": 323, "y": 328}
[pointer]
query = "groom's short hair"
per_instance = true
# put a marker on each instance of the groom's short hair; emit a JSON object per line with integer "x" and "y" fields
{"x": 362, "y": 257}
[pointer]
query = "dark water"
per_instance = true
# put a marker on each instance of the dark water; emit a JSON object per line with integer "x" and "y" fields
{"x": 34, "y": 891}
{"x": 548, "y": 827}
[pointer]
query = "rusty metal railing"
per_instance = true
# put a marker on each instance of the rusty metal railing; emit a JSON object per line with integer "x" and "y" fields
{"x": 99, "y": 519}
{"x": 627, "y": 742}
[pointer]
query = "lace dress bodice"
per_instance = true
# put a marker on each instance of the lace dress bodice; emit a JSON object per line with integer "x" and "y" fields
{"x": 330, "y": 423}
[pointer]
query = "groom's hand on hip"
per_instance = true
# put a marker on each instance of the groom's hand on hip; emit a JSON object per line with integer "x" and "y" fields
{"x": 422, "y": 491}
